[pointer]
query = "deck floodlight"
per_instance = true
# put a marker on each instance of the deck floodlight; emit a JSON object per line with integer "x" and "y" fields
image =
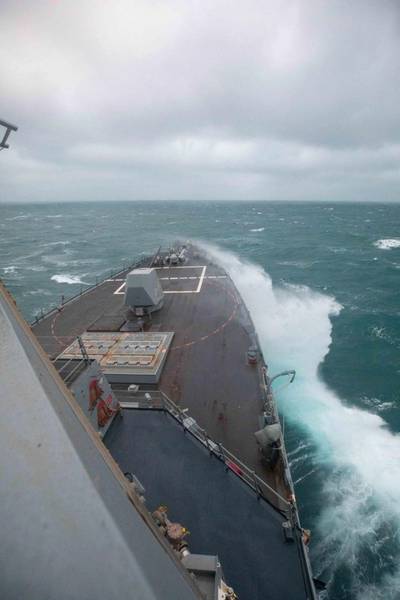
{"x": 9, "y": 129}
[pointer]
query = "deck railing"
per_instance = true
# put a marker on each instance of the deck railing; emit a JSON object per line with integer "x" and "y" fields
{"x": 77, "y": 367}
{"x": 156, "y": 399}
{"x": 113, "y": 274}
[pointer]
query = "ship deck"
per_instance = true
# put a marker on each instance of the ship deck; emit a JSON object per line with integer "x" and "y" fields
{"x": 206, "y": 370}
{"x": 224, "y": 516}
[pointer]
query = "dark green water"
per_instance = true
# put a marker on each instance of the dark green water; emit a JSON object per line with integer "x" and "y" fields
{"x": 322, "y": 283}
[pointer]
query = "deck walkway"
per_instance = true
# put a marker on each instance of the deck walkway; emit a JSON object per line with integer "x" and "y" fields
{"x": 222, "y": 513}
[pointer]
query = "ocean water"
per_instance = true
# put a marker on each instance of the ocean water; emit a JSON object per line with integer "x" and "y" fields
{"x": 322, "y": 284}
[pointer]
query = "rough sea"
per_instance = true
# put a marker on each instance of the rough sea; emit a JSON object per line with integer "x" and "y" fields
{"x": 322, "y": 282}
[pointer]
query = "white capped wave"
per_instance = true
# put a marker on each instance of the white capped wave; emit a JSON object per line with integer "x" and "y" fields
{"x": 9, "y": 270}
{"x": 376, "y": 405}
{"x": 39, "y": 292}
{"x": 19, "y": 217}
{"x": 382, "y": 334}
{"x": 257, "y": 229}
{"x": 362, "y": 492}
{"x": 387, "y": 243}
{"x": 59, "y": 243}
{"x": 66, "y": 278}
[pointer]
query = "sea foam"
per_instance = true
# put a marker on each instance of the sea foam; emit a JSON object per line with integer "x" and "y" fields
{"x": 362, "y": 457}
{"x": 387, "y": 243}
{"x": 10, "y": 270}
{"x": 65, "y": 278}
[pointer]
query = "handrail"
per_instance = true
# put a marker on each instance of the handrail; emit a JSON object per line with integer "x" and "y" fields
{"x": 79, "y": 364}
{"x": 158, "y": 400}
{"x": 261, "y": 487}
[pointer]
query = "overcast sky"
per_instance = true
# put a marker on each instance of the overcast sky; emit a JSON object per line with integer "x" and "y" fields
{"x": 129, "y": 99}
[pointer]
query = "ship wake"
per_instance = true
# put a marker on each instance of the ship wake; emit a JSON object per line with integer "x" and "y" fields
{"x": 358, "y": 527}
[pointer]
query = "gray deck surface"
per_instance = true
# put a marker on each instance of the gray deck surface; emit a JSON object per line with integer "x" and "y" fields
{"x": 206, "y": 369}
{"x": 221, "y": 512}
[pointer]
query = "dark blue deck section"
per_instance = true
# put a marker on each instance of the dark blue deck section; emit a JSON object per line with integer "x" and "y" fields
{"x": 222, "y": 513}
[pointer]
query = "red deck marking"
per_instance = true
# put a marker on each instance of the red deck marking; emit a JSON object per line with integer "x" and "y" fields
{"x": 59, "y": 339}
{"x": 234, "y": 467}
{"x": 218, "y": 329}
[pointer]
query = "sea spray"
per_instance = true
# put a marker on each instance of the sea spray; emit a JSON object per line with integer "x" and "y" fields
{"x": 358, "y": 527}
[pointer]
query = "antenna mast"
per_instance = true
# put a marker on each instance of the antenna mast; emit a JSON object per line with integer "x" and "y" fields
{"x": 9, "y": 129}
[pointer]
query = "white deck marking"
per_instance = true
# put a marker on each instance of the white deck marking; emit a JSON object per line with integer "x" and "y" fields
{"x": 182, "y": 267}
{"x": 201, "y": 280}
{"x": 201, "y": 277}
{"x": 180, "y": 292}
{"x": 119, "y": 290}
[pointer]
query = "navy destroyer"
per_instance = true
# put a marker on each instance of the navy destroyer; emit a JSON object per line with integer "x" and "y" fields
{"x": 143, "y": 455}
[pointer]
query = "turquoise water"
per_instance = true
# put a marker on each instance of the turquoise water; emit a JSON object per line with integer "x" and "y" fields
{"x": 322, "y": 284}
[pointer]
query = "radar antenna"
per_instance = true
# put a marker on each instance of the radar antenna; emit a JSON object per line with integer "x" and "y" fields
{"x": 9, "y": 129}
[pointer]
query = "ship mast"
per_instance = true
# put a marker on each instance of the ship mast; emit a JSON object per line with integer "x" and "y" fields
{"x": 9, "y": 129}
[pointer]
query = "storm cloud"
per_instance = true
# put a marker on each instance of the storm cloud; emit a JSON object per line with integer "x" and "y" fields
{"x": 200, "y": 100}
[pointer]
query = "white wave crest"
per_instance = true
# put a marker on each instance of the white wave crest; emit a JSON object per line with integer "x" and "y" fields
{"x": 59, "y": 243}
{"x": 258, "y": 229}
{"x": 387, "y": 243}
{"x": 362, "y": 493}
{"x": 10, "y": 270}
{"x": 19, "y": 217}
{"x": 66, "y": 278}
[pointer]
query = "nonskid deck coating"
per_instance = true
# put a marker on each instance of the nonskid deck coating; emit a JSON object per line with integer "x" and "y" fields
{"x": 223, "y": 515}
{"x": 206, "y": 369}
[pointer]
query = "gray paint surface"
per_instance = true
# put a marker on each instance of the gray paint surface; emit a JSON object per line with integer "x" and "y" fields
{"x": 224, "y": 516}
{"x": 143, "y": 288}
{"x": 68, "y": 527}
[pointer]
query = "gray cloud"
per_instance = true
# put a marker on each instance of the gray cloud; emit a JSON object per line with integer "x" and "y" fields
{"x": 181, "y": 99}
